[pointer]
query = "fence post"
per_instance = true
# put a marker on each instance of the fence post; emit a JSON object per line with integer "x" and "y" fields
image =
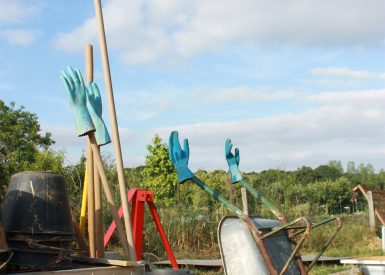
{"x": 244, "y": 201}
{"x": 372, "y": 217}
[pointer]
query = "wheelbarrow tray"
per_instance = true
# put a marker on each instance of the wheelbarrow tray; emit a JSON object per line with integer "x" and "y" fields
{"x": 240, "y": 254}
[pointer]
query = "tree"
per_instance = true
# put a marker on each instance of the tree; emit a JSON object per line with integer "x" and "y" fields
{"x": 159, "y": 172}
{"x": 20, "y": 140}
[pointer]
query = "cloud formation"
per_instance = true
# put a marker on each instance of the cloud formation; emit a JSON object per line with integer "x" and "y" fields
{"x": 149, "y": 31}
{"x": 16, "y": 11}
{"x": 20, "y": 37}
{"x": 339, "y": 128}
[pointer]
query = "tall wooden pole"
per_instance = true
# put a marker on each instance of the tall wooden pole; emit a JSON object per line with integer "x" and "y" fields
{"x": 90, "y": 162}
{"x": 114, "y": 127}
{"x": 98, "y": 214}
{"x": 91, "y": 201}
{"x": 372, "y": 216}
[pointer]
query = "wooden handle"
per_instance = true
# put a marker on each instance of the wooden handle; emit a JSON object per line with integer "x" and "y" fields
{"x": 114, "y": 128}
{"x": 90, "y": 163}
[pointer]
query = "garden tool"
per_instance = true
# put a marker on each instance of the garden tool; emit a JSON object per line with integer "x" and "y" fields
{"x": 76, "y": 92}
{"x": 266, "y": 264}
{"x": 94, "y": 106}
{"x": 76, "y": 82}
{"x": 114, "y": 126}
{"x": 227, "y": 225}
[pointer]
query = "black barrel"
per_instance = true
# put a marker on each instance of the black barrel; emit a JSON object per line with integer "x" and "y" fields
{"x": 37, "y": 221}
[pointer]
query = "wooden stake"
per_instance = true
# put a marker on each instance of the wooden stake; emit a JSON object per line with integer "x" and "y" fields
{"x": 107, "y": 191}
{"x": 97, "y": 195}
{"x": 98, "y": 212}
{"x": 372, "y": 217}
{"x": 114, "y": 127}
{"x": 91, "y": 201}
{"x": 244, "y": 201}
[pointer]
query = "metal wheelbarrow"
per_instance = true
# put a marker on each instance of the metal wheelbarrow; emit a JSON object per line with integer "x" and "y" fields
{"x": 251, "y": 245}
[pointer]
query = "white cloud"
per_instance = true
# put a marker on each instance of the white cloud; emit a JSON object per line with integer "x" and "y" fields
{"x": 338, "y": 129}
{"x": 16, "y": 11}
{"x": 245, "y": 94}
{"x": 172, "y": 30}
{"x": 20, "y": 37}
{"x": 346, "y": 73}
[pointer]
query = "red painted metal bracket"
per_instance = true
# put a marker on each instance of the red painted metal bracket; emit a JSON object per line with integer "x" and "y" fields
{"x": 139, "y": 197}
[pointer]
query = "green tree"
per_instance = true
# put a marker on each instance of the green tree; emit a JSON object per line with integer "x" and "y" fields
{"x": 159, "y": 172}
{"x": 20, "y": 140}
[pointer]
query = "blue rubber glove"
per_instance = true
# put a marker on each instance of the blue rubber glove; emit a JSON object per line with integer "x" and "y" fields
{"x": 94, "y": 106}
{"x": 76, "y": 92}
{"x": 233, "y": 161}
{"x": 179, "y": 157}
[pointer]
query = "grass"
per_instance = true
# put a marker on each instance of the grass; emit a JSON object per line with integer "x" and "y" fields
{"x": 196, "y": 239}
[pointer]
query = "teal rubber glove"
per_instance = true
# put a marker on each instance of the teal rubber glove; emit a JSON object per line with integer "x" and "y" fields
{"x": 179, "y": 157}
{"x": 76, "y": 92}
{"x": 233, "y": 161}
{"x": 94, "y": 106}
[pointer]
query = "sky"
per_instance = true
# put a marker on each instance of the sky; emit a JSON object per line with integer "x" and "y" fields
{"x": 292, "y": 83}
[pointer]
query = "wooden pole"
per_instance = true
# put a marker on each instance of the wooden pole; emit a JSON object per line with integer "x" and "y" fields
{"x": 98, "y": 212}
{"x": 91, "y": 201}
{"x": 89, "y": 53}
{"x": 372, "y": 217}
{"x": 110, "y": 199}
{"x": 244, "y": 201}
{"x": 114, "y": 127}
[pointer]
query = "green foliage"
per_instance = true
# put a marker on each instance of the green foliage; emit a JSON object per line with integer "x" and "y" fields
{"x": 159, "y": 174}
{"x": 20, "y": 140}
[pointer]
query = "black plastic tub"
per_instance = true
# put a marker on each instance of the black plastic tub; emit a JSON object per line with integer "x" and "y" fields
{"x": 37, "y": 221}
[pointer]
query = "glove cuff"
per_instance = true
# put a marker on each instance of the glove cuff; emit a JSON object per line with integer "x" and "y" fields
{"x": 83, "y": 121}
{"x": 235, "y": 174}
{"x": 183, "y": 172}
{"x": 102, "y": 136}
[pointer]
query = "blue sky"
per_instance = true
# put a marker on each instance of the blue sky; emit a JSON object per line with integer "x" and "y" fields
{"x": 291, "y": 82}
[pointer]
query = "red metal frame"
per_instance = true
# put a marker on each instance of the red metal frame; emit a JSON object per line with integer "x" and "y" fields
{"x": 138, "y": 198}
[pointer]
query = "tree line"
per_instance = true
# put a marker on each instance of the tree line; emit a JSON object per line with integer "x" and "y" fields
{"x": 312, "y": 191}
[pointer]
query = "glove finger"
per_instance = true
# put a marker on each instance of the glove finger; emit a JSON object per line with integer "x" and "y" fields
{"x": 97, "y": 96}
{"x": 177, "y": 147}
{"x": 68, "y": 87}
{"x": 228, "y": 147}
{"x": 96, "y": 90}
{"x": 68, "y": 78}
{"x": 80, "y": 77}
{"x": 171, "y": 147}
{"x": 237, "y": 157}
{"x": 73, "y": 76}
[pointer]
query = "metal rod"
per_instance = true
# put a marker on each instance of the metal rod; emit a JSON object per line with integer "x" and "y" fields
{"x": 254, "y": 231}
{"x": 264, "y": 201}
{"x": 326, "y": 245}
{"x": 114, "y": 127}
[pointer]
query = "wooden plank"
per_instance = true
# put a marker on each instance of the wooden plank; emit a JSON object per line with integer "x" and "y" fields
{"x": 103, "y": 261}
{"x": 218, "y": 262}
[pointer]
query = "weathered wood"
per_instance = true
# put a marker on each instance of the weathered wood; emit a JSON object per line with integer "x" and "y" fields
{"x": 244, "y": 201}
{"x": 114, "y": 127}
{"x": 372, "y": 219}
